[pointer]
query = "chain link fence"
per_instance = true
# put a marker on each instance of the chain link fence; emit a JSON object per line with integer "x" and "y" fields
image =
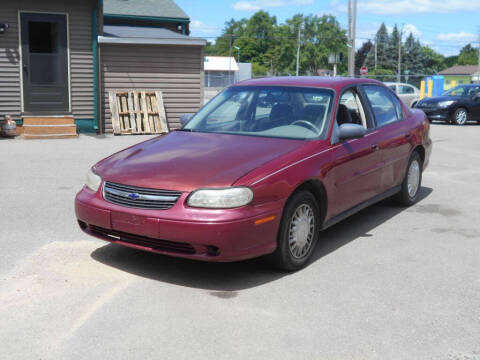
{"x": 214, "y": 83}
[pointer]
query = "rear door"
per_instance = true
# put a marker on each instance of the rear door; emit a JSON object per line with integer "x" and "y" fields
{"x": 392, "y": 133}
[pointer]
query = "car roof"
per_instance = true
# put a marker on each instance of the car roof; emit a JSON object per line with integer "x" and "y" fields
{"x": 396, "y": 83}
{"x": 467, "y": 85}
{"x": 336, "y": 83}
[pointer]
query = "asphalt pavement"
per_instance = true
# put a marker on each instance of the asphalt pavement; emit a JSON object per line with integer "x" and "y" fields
{"x": 388, "y": 283}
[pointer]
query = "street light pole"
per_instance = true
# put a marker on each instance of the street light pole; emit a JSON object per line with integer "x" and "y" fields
{"x": 399, "y": 65}
{"x": 298, "y": 47}
{"x": 238, "y": 49}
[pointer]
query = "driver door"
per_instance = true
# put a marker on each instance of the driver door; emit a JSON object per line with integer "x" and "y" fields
{"x": 358, "y": 165}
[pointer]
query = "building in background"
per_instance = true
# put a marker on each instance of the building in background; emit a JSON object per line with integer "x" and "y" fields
{"x": 460, "y": 74}
{"x": 59, "y": 59}
{"x": 220, "y": 71}
{"x": 145, "y": 46}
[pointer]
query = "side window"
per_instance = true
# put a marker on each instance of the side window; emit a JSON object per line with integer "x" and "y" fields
{"x": 350, "y": 109}
{"x": 398, "y": 108}
{"x": 405, "y": 89}
{"x": 393, "y": 88}
{"x": 383, "y": 105}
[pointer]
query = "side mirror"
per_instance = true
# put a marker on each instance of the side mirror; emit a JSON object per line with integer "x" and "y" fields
{"x": 185, "y": 118}
{"x": 351, "y": 131}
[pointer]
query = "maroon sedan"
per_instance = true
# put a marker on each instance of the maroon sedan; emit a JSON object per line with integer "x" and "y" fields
{"x": 261, "y": 169}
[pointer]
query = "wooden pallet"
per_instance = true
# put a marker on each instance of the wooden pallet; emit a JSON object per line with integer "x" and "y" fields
{"x": 137, "y": 112}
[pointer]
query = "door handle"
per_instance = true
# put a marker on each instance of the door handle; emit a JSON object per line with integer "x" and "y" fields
{"x": 407, "y": 136}
{"x": 375, "y": 147}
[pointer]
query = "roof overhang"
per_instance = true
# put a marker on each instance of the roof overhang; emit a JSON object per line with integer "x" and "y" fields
{"x": 118, "y": 34}
{"x": 149, "y": 41}
{"x": 147, "y": 18}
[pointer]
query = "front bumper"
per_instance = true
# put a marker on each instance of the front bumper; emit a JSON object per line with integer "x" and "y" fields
{"x": 442, "y": 114}
{"x": 202, "y": 234}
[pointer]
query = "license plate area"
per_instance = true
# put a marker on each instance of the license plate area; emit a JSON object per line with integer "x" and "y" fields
{"x": 134, "y": 224}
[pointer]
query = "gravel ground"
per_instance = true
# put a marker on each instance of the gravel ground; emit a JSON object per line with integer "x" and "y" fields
{"x": 388, "y": 283}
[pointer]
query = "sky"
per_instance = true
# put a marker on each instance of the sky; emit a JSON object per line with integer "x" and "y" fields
{"x": 444, "y": 25}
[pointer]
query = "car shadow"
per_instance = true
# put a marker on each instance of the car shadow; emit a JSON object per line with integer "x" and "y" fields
{"x": 227, "y": 278}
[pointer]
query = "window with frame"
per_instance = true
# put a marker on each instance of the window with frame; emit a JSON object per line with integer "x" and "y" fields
{"x": 350, "y": 109}
{"x": 405, "y": 89}
{"x": 384, "y": 107}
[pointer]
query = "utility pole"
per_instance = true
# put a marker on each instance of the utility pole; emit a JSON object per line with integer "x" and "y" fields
{"x": 352, "y": 23}
{"x": 298, "y": 46}
{"x": 230, "y": 79}
{"x": 399, "y": 65}
{"x": 478, "y": 70}
{"x": 376, "y": 53}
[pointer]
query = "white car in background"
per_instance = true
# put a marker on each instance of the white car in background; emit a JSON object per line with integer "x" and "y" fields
{"x": 408, "y": 93}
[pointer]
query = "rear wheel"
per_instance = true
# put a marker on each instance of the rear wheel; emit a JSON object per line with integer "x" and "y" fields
{"x": 412, "y": 182}
{"x": 460, "y": 116}
{"x": 298, "y": 232}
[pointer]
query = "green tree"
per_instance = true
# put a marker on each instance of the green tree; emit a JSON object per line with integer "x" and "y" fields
{"x": 394, "y": 41}
{"x": 272, "y": 47}
{"x": 451, "y": 61}
{"x": 433, "y": 62}
{"x": 468, "y": 55}
{"x": 413, "y": 59}
{"x": 320, "y": 37}
{"x": 383, "y": 56}
{"x": 361, "y": 55}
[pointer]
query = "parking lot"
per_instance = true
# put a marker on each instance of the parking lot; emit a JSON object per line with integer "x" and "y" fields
{"x": 388, "y": 283}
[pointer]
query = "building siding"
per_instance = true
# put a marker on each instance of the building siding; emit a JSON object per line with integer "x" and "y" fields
{"x": 177, "y": 71}
{"x": 81, "y": 59}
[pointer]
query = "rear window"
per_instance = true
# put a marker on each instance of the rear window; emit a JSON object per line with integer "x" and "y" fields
{"x": 384, "y": 108}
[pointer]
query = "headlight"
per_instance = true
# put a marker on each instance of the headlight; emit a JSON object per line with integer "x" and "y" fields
{"x": 220, "y": 198}
{"x": 93, "y": 181}
{"x": 446, "y": 103}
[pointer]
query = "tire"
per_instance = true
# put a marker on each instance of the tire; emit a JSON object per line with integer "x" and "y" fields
{"x": 293, "y": 252}
{"x": 408, "y": 195}
{"x": 460, "y": 116}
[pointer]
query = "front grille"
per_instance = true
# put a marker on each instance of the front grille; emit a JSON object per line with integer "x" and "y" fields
{"x": 140, "y": 198}
{"x": 426, "y": 105}
{"x": 154, "y": 244}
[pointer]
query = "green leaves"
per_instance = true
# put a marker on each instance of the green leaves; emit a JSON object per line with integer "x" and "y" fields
{"x": 272, "y": 47}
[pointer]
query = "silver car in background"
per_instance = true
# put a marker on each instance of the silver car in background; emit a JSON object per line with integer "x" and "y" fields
{"x": 408, "y": 93}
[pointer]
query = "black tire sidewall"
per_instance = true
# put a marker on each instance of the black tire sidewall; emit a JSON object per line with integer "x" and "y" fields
{"x": 284, "y": 257}
{"x": 405, "y": 197}
{"x": 454, "y": 116}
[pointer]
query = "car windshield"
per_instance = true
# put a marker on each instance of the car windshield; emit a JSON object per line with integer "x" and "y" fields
{"x": 280, "y": 112}
{"x": 462, "y": 91}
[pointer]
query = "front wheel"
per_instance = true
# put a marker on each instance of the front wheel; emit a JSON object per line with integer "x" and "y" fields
{"x": 460, "y": 116}
{"x": 298, "y": 232}
{"x": 412, "y": 182}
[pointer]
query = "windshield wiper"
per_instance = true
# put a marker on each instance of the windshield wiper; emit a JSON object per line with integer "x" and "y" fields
{"x": 187, "y": 130}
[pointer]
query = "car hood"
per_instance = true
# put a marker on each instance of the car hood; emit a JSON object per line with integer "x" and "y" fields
{"x": 186, "y": 161}
{"x": 438, "y": 99}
